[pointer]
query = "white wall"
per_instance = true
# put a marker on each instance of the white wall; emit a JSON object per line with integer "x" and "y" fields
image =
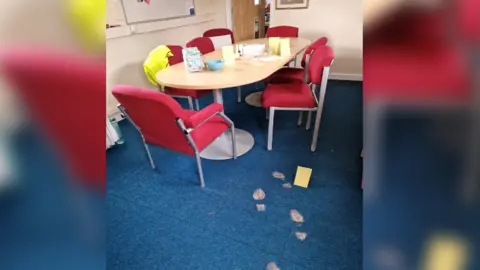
{"x": 125, "y": 55}
{"x": 340, "y": 21}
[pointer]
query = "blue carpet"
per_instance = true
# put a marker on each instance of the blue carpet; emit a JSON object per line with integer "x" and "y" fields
{"x": 162, "y": 219}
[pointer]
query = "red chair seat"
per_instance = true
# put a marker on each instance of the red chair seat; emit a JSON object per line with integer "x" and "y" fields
{"x": 208, "y": 132}
{"x": 286, "y": 75}
{"x": 202, "y": 136}
{"x": 185, "y": 92}
{"x": 288, "y": 95}
{"x": 409, "y": 61}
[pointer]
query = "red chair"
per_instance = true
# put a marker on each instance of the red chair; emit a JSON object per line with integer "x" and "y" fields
{"x": 223, "y": 32}
{"x": 467, "y": 16}
{"x": 295, "y": 75}
{"x": 190, "y": 95}
{"x": 219, "y": 32}
{"x": 161, "y": 121}
{"x": 283, "y": 31}
{"x": 300, "y": 96}
{"x": 65, "y": 94}
{"x": 421, "y": 71}
{"x": 204, "y": 44}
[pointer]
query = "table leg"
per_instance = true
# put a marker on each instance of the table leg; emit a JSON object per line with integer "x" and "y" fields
{"x": 221, "y": 148}
{"x": 217, "y": 96}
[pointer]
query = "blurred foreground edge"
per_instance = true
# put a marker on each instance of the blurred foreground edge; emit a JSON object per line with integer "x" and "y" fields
{"x": 65, "y": 95}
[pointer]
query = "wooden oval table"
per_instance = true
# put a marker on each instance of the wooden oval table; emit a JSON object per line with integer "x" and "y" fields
{"x": 244, "y": 71}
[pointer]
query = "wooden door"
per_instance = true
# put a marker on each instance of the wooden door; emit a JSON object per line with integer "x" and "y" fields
{"x": 244, "y": 13}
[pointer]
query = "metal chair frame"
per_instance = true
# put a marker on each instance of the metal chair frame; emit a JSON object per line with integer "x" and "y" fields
{"x": 187, "y": 132}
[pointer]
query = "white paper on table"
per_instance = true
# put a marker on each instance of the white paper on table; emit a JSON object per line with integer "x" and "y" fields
{"x": 253, "y": 49}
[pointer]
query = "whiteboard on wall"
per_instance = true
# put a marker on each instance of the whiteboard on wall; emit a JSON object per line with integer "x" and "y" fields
{"x": 140, "y": 11}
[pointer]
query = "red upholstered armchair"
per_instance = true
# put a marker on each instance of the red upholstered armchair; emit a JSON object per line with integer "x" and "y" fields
{"x": 421, "y": 71}
{"x": 161, "y": 121}
{"x": 204, "y": 44}
{"x": 301, "y": 96}
{"x": 283, "y": 31}
{"x": 190, "y": 95}
{"x": 295, "y": 75}
{"x": 57, "y": 87}
{"x": 219, "y": 32}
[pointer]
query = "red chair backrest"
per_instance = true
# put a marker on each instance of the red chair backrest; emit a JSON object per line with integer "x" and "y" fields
{"x": 204, "y": 44}
{"x": 321, "y": 57}
{"x": 177, "y": 54}
{"x": 283, "y": 31}
{"x": 65, "y": 94}
{"x": 155, "y": 114}
{"x": 317, "y": 43}
{"x": 469, "y": 19}
{"x": 219, "y": 32}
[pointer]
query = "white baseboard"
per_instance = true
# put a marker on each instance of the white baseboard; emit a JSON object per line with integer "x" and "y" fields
{"x": 346, "y": 77}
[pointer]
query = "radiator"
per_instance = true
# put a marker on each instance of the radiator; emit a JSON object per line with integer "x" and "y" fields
{"x": 112, "y": 135}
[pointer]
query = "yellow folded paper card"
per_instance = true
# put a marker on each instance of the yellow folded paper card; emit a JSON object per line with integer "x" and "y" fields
{"x": 228, "y": 55}
{"x": 302, "y": 177}
{"x": 285, "y": 47}
{"x": 445, "y": 252}
{"x": 274, "y": 45}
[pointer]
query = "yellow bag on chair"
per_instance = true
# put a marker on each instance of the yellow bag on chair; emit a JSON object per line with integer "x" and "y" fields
{"x": 156, "y": 61}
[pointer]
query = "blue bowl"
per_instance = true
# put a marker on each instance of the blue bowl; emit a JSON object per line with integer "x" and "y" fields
{"x": 214, "y": 64}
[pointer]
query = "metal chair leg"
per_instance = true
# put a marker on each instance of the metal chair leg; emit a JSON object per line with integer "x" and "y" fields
{"x": 234, "y": 142}
{"x": 148, "y": 153}
{"x": 122, "y": 110}
{"x": 318, "y": 118}
{"x": 197, "y": 105}
{"x": 190, "y": 103}
{"x": 373, "y": 139}
{"x": 309, "y": 120}
{"x": 200, "y": 170}
{"x": 232, "y": 131}
{"x": 270, "y": 129}
{"x": 239, "y": 94}
{"x": 300, "y": 118}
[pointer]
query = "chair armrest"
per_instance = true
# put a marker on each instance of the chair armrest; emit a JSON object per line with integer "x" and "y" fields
{"x": 203, "y": 115}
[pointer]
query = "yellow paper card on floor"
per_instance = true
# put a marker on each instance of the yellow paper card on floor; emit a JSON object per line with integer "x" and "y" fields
{"x": 274, "y": 45}
{"x": 302, "y": 178}
{"x": 228, "y": 55}
{"x": 446, "y": 252}
{"x": 285, "y": 47}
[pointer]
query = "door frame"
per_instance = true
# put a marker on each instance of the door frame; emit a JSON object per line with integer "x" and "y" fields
{"x": 228, "y": 15}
